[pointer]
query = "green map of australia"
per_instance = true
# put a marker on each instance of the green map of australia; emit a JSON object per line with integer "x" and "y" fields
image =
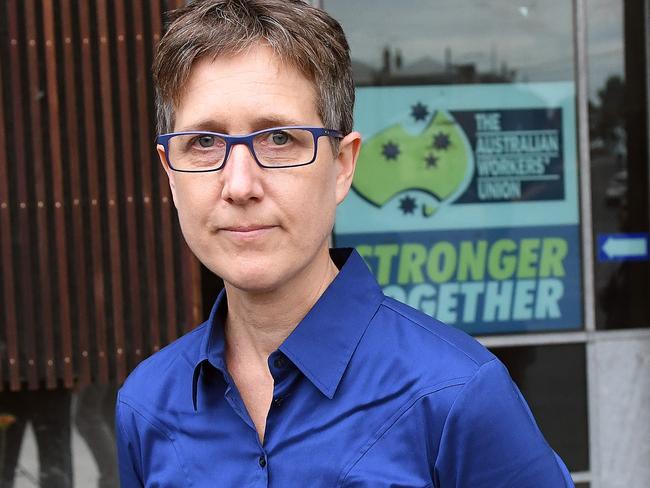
{"x": 435, "y": 161}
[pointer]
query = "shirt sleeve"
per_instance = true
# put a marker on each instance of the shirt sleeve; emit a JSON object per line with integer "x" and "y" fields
{"x": 127, "y": 450}
{"x": 490, "y": 439}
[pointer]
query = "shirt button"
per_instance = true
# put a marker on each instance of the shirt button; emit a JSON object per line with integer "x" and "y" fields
{"x": 262, "y": 461}
{"x": 277, "y": 401}
{"x": 279, "y": 362}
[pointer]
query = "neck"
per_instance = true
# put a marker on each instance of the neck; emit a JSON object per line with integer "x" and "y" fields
{"x": 257, "y": 323}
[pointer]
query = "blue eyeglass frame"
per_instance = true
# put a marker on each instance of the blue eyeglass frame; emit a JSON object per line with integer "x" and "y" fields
{"x": 247, "y": 140}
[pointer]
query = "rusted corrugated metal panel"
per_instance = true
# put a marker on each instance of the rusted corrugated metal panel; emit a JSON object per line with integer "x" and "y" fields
{"x": 145, "y": 136}
{"x": 156, "y": 31}
{"x": 80, "y": 276}
{"x": 117, "y": 259}
{"x": 94, "y": 199}
{"x": 46, "y": 318}
{"x": 62, "y": 294}
{"x": 9, "y": 297}
{"x": 95, "y": 273}
{"x": 22, "y": 222}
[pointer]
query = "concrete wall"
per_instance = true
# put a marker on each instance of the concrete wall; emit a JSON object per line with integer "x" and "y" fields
{"x": 620, "y": 396}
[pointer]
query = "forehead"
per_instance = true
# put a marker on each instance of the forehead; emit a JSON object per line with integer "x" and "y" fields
{"x": 240, "y": 92}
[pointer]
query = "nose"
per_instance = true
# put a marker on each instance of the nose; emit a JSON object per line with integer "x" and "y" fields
{"x": 242, "y": 177}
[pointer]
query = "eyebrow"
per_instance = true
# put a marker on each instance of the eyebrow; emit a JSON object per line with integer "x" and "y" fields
{"x": 260, "y": 123}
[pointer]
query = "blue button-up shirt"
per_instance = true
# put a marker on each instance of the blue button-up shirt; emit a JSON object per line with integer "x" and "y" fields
{"x": 368, "y": 393}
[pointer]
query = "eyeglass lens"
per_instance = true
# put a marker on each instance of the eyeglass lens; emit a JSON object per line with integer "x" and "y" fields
{"x": 203, "y": 151}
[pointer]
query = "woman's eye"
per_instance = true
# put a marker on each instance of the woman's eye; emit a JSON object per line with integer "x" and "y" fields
{"x": 280, "y": 138}
{"x": 206, "y": 141}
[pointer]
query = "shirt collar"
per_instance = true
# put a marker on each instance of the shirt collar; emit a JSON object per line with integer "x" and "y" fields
{"x": 323, "y": 342}
{"x": 213, "y": 344}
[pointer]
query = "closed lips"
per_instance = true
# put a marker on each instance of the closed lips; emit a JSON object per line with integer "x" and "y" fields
{"x": 248, "y": 228}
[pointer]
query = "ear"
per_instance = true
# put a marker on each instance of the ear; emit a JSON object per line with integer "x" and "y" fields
{"x": 346, "y": 162}
{"x": 170, "y": 173}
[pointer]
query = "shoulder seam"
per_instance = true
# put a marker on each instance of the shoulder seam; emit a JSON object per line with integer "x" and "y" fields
{"x": 159, "y": 428}
{"x": 127, "y": 438}
{"x": 121, "y": 399}
{"x": 401, "y": 412}
{"x": 387, "y": 305}
{"x": 453, "y": 404}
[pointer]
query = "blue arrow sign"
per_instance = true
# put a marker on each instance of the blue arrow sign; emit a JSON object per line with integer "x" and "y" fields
{"x": 623, "y": 247}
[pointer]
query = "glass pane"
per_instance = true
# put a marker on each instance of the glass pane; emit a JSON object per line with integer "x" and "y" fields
{"x": 451, "y": 41}
{"x": 553, "y": 380}
{"x": 465, "y": 197}
{"x": 619, "y": 161}
{"x": 47, "y": 433}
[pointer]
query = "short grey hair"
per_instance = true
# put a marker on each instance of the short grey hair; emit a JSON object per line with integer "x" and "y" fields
{"x": 304, "y": 36}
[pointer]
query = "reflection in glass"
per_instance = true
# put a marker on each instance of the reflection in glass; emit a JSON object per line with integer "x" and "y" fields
{"x": 58, "y": 438}
{"x": 94, "y": 418}
{"x": 553, "y": 381}
{"x": 48, "y": 414}
{"x": 619, "y": 163}
{"x": 450, "y": 42}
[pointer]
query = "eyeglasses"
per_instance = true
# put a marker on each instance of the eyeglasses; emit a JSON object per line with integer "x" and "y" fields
{"x": 278, "y": 147}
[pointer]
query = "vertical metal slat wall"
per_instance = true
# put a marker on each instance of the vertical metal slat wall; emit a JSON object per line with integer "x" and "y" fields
{"x": 95, "y": 273}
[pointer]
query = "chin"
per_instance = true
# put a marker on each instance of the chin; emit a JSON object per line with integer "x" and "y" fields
{"x": 251, "y": 278}
{"x": 253, "y": 284}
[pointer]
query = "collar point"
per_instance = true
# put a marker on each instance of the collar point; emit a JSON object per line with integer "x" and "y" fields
{"x": 330, "y": 391}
